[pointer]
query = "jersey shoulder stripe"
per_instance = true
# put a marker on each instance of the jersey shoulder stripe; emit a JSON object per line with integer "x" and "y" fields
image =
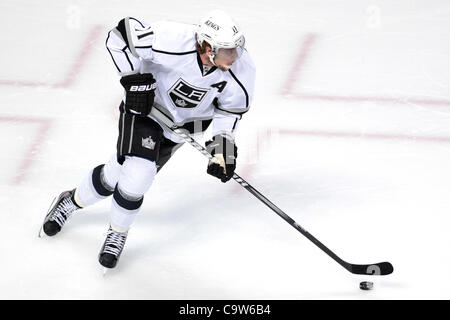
{"x": 123, "y": 31}
{"x": 174, "y": 53}
{"x": 144, "y": 35}
{"x": 110, "y": 53}
{"x": 242, "y": 86}
{"x": 142, "y": 25}
{"x": 173, "y": 38}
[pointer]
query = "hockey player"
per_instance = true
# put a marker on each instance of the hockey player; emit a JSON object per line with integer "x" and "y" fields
{"x": 193, "y": 74}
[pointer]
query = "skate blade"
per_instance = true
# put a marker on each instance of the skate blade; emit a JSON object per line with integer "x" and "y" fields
{"x": 105, "y": 270}
{"x": 42, "y": 225}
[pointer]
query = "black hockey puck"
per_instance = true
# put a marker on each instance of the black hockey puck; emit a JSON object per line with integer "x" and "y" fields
{"x": 366, "y": 285}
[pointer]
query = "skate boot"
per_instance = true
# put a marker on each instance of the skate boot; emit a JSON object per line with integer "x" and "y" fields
{"x": 112, "y": 248}
{"x": 61, "y": 210}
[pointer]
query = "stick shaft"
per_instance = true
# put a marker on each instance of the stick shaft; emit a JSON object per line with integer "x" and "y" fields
{"x": 382, "y": 268}
{"x": 262, "y": 198}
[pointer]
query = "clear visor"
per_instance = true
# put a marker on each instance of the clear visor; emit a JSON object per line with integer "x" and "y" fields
{"x": 229, "y": 55}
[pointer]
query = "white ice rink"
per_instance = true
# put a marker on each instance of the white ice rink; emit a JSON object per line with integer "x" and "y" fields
{"x": 349, "y": 134}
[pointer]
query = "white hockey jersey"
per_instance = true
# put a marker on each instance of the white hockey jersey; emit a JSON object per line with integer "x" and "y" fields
{"x": 186, "y": 93}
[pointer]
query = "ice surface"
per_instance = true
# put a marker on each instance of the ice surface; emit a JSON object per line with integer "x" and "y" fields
{"x": 349, "y": 134}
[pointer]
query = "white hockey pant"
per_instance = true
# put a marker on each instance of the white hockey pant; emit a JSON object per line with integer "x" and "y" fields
{"x": 127, "y": 183}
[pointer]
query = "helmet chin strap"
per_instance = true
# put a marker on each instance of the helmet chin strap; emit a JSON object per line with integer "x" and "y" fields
{"x": 211, "y": 58}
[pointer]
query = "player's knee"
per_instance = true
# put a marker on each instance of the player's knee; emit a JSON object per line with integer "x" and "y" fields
{"x": 111, "y": 171}
{"x": 136, "y": 176}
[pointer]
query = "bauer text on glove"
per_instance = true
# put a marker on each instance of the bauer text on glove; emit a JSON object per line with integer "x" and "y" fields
{"x": 140, "y": 93}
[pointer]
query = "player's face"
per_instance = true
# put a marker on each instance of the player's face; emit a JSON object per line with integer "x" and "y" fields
{"x": 226, "y": 57}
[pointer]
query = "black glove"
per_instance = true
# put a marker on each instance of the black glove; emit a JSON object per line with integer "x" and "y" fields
{"x": 140, "y": 92}
{"x": 224, "y": 152}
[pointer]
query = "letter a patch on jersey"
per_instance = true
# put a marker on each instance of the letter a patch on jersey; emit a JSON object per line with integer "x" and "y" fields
{"x": 185, "y": 95}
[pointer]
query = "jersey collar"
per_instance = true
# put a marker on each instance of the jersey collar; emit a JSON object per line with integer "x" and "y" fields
{"x": 200, "y": 64}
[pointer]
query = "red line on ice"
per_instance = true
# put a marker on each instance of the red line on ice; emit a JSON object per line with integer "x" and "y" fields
{"x": 74, "y": 70}
{"x": 265, "y": 135}
{"x": 301, "y": 60}
{"x": 420, "y": 101}
{"x": 34, "y": 147}
{"x": 85, "y": 51}
{"x": 378, "y": 136}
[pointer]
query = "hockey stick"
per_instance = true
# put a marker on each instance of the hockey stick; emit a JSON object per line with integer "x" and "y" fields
{"x": 381, "y": 268}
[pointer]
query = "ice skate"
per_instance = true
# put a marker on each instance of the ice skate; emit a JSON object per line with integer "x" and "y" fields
{"x": 112, "y": 248}
{"x": 60, "y": 211}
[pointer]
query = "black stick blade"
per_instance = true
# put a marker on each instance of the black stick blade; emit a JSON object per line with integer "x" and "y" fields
{"x": 376, "y": 269}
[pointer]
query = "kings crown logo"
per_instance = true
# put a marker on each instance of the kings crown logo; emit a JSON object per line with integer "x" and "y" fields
{"x": 148, "y": 143}
{"x": 181, "y": 103}
{"x": 185, "y": 95}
